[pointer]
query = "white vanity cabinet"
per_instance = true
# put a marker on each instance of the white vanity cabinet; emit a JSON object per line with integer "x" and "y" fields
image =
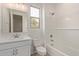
{"x": 22, "y": 51}
{"x": 19, "y": 48}
{"x": 7, "y": 52}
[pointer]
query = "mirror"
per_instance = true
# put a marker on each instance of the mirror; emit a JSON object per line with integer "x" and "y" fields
{"x": 17, "y": 21}
{"x": 13, "y": 20}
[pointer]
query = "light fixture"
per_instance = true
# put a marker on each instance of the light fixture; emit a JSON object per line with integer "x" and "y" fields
{"x": 16, "y": 6}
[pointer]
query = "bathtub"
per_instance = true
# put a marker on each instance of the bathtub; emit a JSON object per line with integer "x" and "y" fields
{"x": 51, "y": 51}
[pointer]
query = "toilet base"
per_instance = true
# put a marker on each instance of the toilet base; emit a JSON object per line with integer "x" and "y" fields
{"x": 41, "y": 51}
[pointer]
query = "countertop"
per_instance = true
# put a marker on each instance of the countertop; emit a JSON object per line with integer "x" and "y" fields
{"x": 4, "y": 39}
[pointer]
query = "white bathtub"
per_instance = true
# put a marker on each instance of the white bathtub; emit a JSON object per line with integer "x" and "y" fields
{"x": 54, "y": 52}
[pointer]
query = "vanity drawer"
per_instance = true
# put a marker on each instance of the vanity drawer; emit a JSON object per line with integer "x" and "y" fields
{"x": 15, "y": 44}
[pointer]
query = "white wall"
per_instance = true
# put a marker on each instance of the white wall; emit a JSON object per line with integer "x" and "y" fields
{"x": 50, "y": 23}
{"x": 67, "y": 28}
{"x": 5, "y": 20}
{"x": 38, "y": 32}
{"x": 0, "y": 19}
{"x": 47, "y": 23}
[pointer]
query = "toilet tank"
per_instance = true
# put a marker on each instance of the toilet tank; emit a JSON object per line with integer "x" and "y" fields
{"x": 37, "y": 42}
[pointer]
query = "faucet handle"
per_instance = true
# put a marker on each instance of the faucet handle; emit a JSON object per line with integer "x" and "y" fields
{"x": 51, "y": 35}
{"x": 16, "y": 35}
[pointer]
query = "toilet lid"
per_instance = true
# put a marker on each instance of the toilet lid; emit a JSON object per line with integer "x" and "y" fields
{"x": 41, "y": 49}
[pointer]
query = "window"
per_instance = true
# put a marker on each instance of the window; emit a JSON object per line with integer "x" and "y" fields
{"x": 35, "y": 17}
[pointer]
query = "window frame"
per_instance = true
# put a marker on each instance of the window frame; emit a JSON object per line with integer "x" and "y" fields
{"x": 34, "y": 17}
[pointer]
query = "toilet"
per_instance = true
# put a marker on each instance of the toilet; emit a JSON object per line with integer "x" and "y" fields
{"x": 40, "y": 49}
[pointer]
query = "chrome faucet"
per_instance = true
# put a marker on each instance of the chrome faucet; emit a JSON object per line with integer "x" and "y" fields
{"x": 16, "y": 36}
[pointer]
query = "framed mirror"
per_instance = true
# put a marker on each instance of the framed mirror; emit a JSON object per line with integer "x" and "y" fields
{"x": 17, "y": 21}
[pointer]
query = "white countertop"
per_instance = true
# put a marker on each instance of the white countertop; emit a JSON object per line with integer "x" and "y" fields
{"x": 5, "y": 39}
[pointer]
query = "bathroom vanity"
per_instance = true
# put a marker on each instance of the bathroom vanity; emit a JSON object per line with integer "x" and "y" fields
{"x": 15, "y": 47}
{"x": 14, "y": 21}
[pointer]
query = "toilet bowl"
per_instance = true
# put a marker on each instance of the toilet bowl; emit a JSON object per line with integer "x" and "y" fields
{"x": 40, "y": 49}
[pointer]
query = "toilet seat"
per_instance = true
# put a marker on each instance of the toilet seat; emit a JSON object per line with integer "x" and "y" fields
{"x": 41, "y": 51}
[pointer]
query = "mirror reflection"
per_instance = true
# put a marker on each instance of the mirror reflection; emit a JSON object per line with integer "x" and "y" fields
{"x": 17, "y": 23}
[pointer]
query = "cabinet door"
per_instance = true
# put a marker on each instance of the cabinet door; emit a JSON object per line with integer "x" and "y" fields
{"x": 23, "y": 51}
{"x": 8, "y": 52}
